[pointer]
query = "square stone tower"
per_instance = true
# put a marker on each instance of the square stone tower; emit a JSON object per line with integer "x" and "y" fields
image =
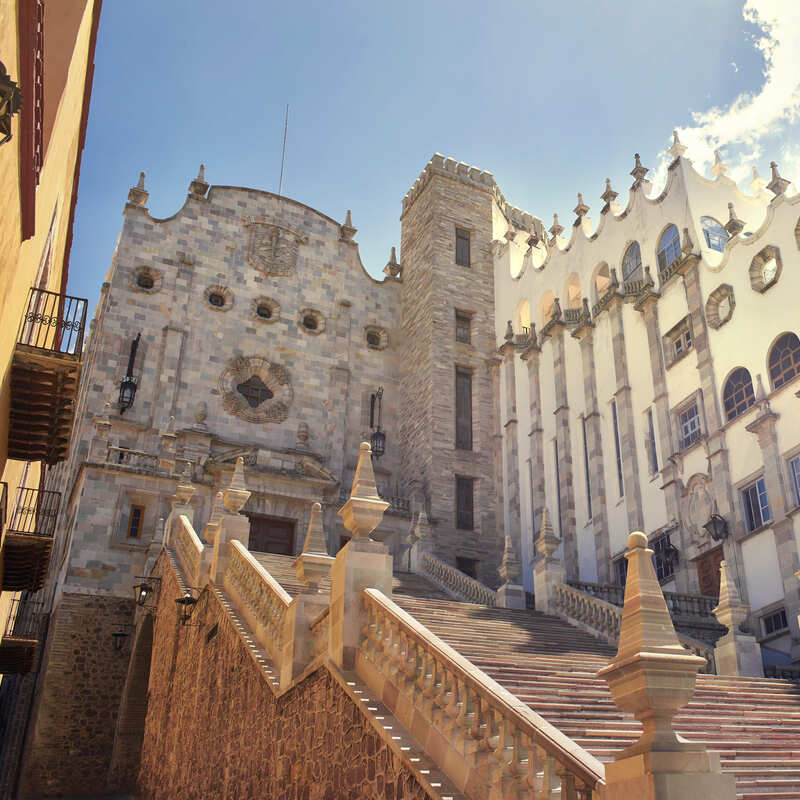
{"x": 449, "y": 423}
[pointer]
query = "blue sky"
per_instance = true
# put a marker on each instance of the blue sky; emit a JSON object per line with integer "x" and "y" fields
{"x": 551, "y": 98}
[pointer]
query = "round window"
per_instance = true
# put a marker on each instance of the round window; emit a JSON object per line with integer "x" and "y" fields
{"x": 373, "y": 339}
{"x": 145, "y": 281}
{"x": 216, "y": 299}
{"x": 309, "y": 322}
{"x": 263, "y": 311}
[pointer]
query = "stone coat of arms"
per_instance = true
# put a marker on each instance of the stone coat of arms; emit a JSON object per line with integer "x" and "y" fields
{"x": 256, "y": 389}
{"x": 272, "y": 247}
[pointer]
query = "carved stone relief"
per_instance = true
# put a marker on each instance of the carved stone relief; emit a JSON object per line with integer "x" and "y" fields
{"x": 256, "y": 389}
{"x": 273, "y": 248}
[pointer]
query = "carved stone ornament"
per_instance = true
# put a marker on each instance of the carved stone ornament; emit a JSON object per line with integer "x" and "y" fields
{"x": 720, "y": 305}
{"x": 700, "y": 509}
{"x": 273, "y": 248}
{"x": 256, "y": 389}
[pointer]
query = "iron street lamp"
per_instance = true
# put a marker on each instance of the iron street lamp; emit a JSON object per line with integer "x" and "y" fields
{"x": 127, "y": 387}
{"x": 146, "y": 592}
{"x": 10, "y": 103}
{"x": 717, "y": 527}
{"x": 378, "y": 438}
{"x": 186, "y": 604}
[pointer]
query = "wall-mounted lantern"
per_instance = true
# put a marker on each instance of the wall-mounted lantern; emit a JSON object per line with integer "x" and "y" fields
{"x": 127, "y": 387}
{"x": 717, "y": 527}
{"x": 146, "y": 592}
{"x": 10, "y": 103}
{"x": 186, "y": 604}
{"x": 378, "y": 438}
{"x": 119, "y": 638}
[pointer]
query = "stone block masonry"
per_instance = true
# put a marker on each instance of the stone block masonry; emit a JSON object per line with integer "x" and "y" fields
{"x": 69, "y": 749}
{"x": 216, "y": 729}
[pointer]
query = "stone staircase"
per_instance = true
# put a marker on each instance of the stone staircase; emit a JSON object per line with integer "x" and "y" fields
{"x": 753, "y": 723}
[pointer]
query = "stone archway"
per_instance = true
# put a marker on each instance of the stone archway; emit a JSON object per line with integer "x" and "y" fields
{"x": 132, "y": 712}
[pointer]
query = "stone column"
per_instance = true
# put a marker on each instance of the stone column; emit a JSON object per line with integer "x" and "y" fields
{"x": 312, "y": 566}
{"x": 547, "y": 570}
{"x": 232, "y": 525}
{"x": 362, "y": 563}
{"x": 493, "y": 366}
{"x": 652, "y": 676}
{"x": 513, "y": 533}
{"x": 763, "y": 426}
{"x": 627, "y": 430}
{"x": 736, "y": 653}
{"x": 165, "y": 392}
{"x": 337, "y": 405}
{"x": 584, "y": 333}
{"x": 530, "y": 355}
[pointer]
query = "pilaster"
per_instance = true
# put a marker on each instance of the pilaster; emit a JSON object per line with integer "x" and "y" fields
{"x": 594, "y": 446}
{"x": 530, "y": 355}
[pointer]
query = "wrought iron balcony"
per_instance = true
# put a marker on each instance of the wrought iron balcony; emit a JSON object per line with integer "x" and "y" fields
{"x": 21, "y": 636}
{"x": 28, "y": 540}
{"x": 44, "y": 376}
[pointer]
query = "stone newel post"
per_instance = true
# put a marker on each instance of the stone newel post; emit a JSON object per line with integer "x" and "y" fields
{"x": 548, "y": 569}
{"x": 652, "y": 676}
{"x": 312, "y": 566}
{"x": 232, "y": 524}
{"x": 736, "y": 653}
{"x": 360, "y": 564}
{"x": 180, "y": 504}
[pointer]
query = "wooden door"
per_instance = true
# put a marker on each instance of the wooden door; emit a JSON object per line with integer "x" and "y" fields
{"x": 708, "y": 571}
{"x": 271, "y": 535}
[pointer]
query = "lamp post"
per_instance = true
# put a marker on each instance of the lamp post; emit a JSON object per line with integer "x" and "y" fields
{"x": 146, "y": 592}
{"x": 10, "y": 103}
{"x": 186, "y": 604}
{"x": 127, "y": 387}
{"x": 378, "y": 439}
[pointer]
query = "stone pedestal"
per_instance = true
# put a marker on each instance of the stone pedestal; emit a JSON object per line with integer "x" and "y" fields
{"x": 359, "y": 565}
{"x": 298, "y": 644}
{"x": 510, "y": 595}
{"x": 547, "y": 570}
{"x": 231, "y": 526}
{"x": 668, "y": 776}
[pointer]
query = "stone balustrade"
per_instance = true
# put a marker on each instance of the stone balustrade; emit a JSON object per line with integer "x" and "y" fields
{"x": 140, "y": 461}
{"x": 497, "y": 745}
{"x": 320, "y": 628}
{"x": 679, "y": 605}
{"x": 572, "y": 316}
{"x": 189, "y": 550}
{"x": 604, "y": 619}
{"x": 258, "y": 597}
{"x": 457, "y": 582}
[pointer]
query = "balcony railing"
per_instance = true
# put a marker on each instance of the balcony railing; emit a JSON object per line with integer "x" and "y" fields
{"x": 3, "y": 505}
{"x": 29, "y": 539}
{"x": 54, "y": 322}
{"x": 20, "y": 636}
{"x": 139, "y": 461}
{"x": 572, "y": 316}
{"x": 45, "y": 372}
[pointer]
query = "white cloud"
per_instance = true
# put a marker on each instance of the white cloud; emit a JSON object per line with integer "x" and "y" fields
{"x": 751, "y": 119}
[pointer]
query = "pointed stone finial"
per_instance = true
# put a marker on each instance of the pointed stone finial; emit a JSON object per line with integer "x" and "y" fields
{"x": 720, "y": 168}
{"x": 509, "y": 334}
{"x": 648, "y": 278}
{"x": 608, "y": 197}
{"x": 652, "y": 675}
{"x": 313, "y": 565}
{"x": 586, "y": 314}
{"x": 393, "y": 268}
{"x": 638, "y": 172}
{"x": 364, "y": 510}
{"x": 556, "y": 229}
{"x": 236, "y": 495}
{"x": 777, "y": 185}
{"x": 580, "y": 210}
{"x": 760, "y": 393}
{"x": 757, "y": 184}
{"x": 510, "y": 233}
{"x": 547, "y": 542}
{"x": 217, "y": 513}
{"x": 677, "y": 149}
{"x": 557, "y": 312}
{"x": 510, "y": 568}
{"x": 613, "y": 281}
{"x": 347, "y": 231}
{"x": 734, "y": 225}
{"x": 138, "y": 195}
{"x": 198, "y": 187}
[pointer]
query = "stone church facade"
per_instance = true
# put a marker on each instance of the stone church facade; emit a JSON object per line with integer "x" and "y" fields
{"x": 510, "y": 371}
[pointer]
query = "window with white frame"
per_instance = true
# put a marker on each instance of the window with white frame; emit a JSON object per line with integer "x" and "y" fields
{"x": 794, "y": 471}
{"x": 678, "y": 341}
{"x": 775, "y": 622}
{"x": 756, "y": 505}
{"x": 689, "y": 425}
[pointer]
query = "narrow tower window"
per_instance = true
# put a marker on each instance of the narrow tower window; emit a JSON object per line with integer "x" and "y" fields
{"x": 463, "y": 408}
{"x": 617, "y": 448}
{"x": 462, "y": 247}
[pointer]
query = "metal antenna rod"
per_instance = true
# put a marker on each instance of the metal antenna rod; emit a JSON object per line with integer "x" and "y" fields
{"x": 283, "y": 155}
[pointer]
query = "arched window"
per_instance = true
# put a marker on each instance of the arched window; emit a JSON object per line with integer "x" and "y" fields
{"x": 601, "y": 283}
{"x": 716, "y": 235}
{"x": 669, "y": 248}
{"x": 632, "y": 263}
{"x": 784, "y": 359}
{"x": 738, "y": 394}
